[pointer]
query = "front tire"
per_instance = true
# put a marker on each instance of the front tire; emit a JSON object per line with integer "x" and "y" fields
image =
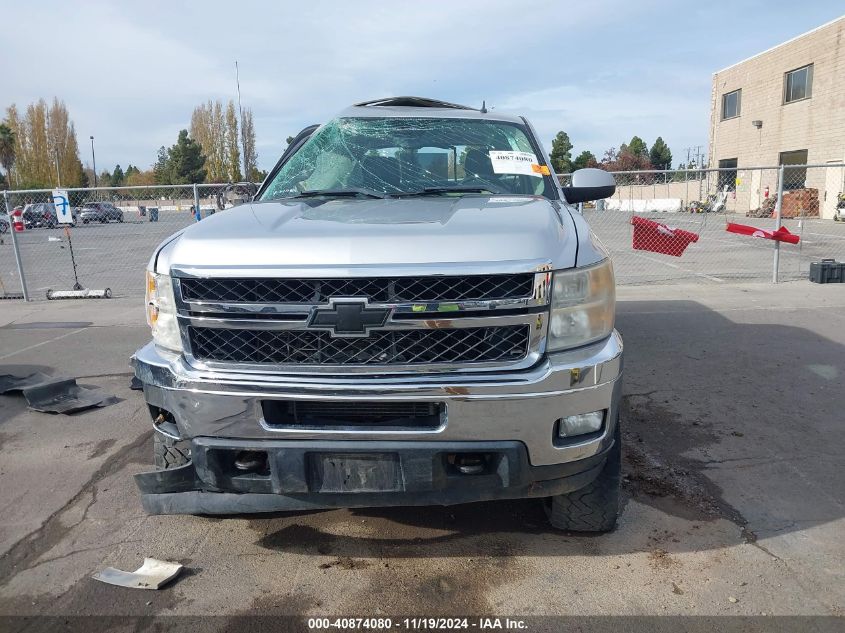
{"x": 169, "y": 453}
{"x": 595, "y": 507}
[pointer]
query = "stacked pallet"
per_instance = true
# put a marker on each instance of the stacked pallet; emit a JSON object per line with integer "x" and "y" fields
{"x": 800, "y": 203}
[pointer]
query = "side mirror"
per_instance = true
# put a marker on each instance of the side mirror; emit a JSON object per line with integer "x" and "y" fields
{"x": 590, "y": 184}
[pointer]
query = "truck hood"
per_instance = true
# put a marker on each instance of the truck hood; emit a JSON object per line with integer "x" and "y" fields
{"x": 487, "y": 233}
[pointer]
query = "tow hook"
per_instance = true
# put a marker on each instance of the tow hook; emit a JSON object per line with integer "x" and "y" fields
{"x": 164, "y": 424}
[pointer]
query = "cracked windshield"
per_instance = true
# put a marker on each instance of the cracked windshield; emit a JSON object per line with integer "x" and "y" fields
{"x": 387, "y": 157}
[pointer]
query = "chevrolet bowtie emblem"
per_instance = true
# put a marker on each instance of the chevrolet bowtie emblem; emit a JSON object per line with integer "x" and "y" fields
{"x": 348, "y": 317}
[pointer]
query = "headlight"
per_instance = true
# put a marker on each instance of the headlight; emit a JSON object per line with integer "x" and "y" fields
{"x": 161, "y": 312}
{"x": 583, "y": 306}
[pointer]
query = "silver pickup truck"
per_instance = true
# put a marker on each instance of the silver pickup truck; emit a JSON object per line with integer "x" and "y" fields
{"x": 409, "y": 312}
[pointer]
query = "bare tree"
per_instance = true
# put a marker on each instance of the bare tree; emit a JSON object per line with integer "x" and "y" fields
{"x": 248, "y": 145}
{"x": 232, "y": 151}
{"x": 216, "y": 130}
{"x": 46, "y": 149}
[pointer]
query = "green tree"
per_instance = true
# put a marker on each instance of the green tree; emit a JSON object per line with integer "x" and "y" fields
{"x": 160, "y": 167}
{"x": 561, "y": 154}
{"x": 584, "y": 159}
{"x": 185, "y": 162}
{"x": 7, "y": 151}
{"x": 660, "y": 154}
{"x": 637, "y": 147}
{"x": 117, "y": 177}
{"x": 257, "y": 175}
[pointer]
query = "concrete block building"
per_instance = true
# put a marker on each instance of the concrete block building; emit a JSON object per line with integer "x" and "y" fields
{"x": 784, "y": 106}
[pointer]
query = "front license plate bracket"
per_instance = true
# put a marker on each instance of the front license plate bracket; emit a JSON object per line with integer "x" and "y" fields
{"x": 355, "y": 472}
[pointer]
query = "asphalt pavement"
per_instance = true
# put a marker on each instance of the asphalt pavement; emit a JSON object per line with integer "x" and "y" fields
{"x": 734, "y": 490}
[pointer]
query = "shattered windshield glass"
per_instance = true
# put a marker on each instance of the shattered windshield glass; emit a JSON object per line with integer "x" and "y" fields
{"x": 379, "y": 157}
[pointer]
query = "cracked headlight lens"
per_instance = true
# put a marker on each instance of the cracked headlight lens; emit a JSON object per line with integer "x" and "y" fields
{"x": 583, "y": 306}
{"x": 161, "y": 312}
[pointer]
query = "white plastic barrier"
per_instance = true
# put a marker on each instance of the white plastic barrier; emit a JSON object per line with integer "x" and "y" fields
{"x": 659, "y": 205}
{"x": 183, "y": 208}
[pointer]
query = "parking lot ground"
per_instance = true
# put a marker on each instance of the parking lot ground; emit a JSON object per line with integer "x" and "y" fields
{"x": 734, "y": 489}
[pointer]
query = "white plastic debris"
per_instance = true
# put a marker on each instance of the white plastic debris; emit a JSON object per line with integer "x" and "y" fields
{"x": 153, "y": 574}
{"x": 54, "y": 239}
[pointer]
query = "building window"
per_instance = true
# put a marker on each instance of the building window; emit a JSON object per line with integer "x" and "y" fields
{"x": 794, "y": 177}
{"x": 798, "y": 84}
{"x": 731, "y": 103}
{"x": 727, "y": 178}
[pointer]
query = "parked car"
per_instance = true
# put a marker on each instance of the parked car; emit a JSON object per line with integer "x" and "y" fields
{"x": 40, "y": 215}
{"x": 436, "y": 327}
{"x": 100, "y": 212}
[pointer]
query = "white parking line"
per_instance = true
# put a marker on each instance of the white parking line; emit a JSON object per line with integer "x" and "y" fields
{"x": 671, "y": 265}
{"x": 837, "y": 237}
{"x": 52, "y": 340}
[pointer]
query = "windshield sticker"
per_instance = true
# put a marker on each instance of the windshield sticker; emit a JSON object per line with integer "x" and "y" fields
{"x": 522, "y": 163}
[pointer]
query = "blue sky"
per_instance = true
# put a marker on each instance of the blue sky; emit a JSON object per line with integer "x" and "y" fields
{"x": 131, "y": 73}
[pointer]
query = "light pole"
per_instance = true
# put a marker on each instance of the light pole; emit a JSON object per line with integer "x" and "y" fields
{"x": 94, "y": 161}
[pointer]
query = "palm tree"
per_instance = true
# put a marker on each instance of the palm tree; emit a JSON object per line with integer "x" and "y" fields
{"x": 7, "y": 150}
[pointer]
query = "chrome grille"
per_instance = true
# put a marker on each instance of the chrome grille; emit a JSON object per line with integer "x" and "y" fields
{"x": 381, "y": 347}
{"x": 375, "y": 289}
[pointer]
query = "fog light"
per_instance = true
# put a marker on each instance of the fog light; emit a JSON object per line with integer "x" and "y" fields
{"x": 580, "y": 424}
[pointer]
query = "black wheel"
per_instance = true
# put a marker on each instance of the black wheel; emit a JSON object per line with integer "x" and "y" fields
{"x": 169, "y": 453}
{"x": 593, "y": 508}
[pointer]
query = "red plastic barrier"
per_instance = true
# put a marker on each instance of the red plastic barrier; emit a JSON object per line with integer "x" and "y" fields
{"x": 17, "y": 220}
{"x": 659, "y": 238}
{"x": 781, "y": 235}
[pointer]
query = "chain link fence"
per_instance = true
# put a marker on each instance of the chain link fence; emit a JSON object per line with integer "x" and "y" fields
{"x": 659, "y": 226}
{"x": 718, "y": 225}
{"x": 115, "y": 232}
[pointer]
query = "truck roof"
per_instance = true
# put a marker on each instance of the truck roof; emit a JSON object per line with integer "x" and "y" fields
{"x": 417, "y": 107}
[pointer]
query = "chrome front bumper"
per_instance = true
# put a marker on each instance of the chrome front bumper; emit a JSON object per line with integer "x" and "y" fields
{"x": 519, "y": 405}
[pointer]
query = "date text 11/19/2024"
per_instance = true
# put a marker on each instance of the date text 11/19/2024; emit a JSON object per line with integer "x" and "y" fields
{"x": 417, "y": 624}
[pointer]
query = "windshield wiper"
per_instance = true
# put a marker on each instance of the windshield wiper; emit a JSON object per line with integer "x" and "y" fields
{"x": 338, "y": 193}
{"x": 430, "y": 191}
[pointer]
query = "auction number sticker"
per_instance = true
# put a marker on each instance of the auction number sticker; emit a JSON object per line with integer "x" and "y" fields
{"x": 522, "y": 163}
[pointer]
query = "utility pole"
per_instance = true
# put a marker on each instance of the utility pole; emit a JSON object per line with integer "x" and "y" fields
{"x": 695, "y": 155}
{"x": 94, "y": 161}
